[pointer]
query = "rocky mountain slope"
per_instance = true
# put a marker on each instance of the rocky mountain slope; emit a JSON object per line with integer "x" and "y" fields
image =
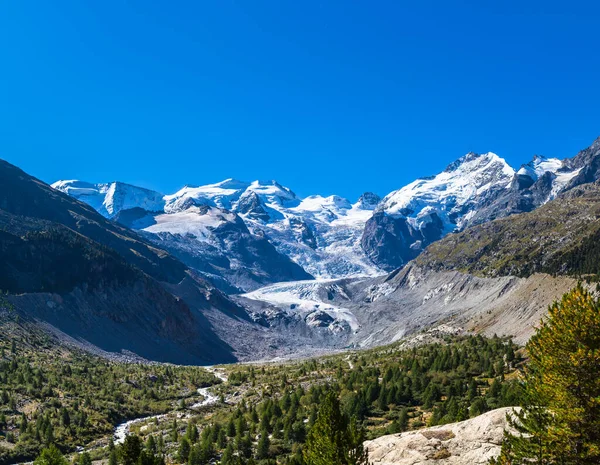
{"x": 99, "y": 285}
{"x": 496, "y": 277}
{"x": 492, "y": 276}
{"x": 240, "y": 235}
{"x": 203, "y": 234}
{"x": 369, "y": 312}
{"x": 427, "y": 209}
{"x": 473, "y": 190}
{"x": 470, "y": 442}
{"x": 321, "y": 234}
{"x": 562, "y": 236}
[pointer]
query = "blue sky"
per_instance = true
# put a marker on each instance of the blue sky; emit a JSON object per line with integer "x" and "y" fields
{"x": 326, "y": 97}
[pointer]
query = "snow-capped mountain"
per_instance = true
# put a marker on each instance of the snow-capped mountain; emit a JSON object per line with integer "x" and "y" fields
{"x": 218, "y": 243}
{"x": 111, "y": 198}
{"x": 409, "y": 219}
{"x": 452, "y": 194}
{"x": 473, "y": 190}
{"x": 560, "y": 174}
{"x": 321, "y": 234}
{"x": 538, "y": 182}
{"x": 252, "y": 233}
{"x": 198, "y": 226}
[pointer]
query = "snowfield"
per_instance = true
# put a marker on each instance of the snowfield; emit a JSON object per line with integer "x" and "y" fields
{"x": 194, "y": 222}
{"x": 450, "y": 194}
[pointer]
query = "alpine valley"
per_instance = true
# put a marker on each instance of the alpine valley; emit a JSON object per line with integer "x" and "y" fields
{"x": 298, "y": 276}
{"x": 399, "y": 320}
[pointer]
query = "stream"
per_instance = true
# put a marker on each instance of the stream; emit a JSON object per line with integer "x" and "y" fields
{"x": 122, "y": 429}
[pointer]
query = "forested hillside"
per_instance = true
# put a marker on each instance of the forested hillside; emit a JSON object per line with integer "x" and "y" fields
{"x": 59, "y": 396}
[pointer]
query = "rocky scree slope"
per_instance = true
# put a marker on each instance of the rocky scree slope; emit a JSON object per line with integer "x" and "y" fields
{"x": 367, "y": 312}
{"x": 497, "y": 277}
{"x": 99, "y": 285}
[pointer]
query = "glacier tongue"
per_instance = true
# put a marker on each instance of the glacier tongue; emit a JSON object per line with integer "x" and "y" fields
{"x": 302, "y": 298}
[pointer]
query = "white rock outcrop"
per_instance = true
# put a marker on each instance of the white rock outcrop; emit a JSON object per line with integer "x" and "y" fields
{"x": 470, "y": 442}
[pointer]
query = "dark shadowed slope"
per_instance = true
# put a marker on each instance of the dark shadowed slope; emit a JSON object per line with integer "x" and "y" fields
{"x": 66, "y": 265}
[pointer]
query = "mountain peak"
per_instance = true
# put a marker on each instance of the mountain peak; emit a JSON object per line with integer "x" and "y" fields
{"x": 272, "y": 190}
{"x": 540, "y": 165}
{"x": 475, "y": 159}
{"x": 368, "y": 201}
{"x": 232, "y": 183}
{"x": 111, "y": 198}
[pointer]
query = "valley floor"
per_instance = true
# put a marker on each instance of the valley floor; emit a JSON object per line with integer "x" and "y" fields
{"x": 235, "y": 405}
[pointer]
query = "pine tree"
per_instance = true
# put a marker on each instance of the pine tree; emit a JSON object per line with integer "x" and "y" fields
{"x": 228, "y": 458}
{"x": 560, "y": 418}
{"x": 50, "y": 456}
{"x": 131, "y": 449}
{"x": 355, "y": 452}
{"x": 184, "y": 449}
{"x": 333, "y": 440}
{"x": 112, "y": 458}
{"x": 175, "y": 431}
{"x": 191, "y": 433}
{"x": 160, "y": 447}
{"x": 262, "y": 448}
{"x": 85, "y": 459}
{"x": 403, "y": 419}
{"x": 151, "y": 445}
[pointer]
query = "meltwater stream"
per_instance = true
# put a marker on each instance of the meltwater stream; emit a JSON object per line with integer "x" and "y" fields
{"x": 122, "y": 430}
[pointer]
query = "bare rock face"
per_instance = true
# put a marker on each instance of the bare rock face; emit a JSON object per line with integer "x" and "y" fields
{"x": 470, "y": 442}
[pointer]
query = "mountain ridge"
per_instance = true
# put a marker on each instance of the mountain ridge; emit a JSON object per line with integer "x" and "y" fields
{"x": 331, "y": 237}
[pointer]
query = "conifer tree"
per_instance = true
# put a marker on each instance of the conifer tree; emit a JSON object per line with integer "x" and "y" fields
{"x": 85, "y": 459}
{"x": 184, "y": 449}
{"x": 130, "y": 450}
{"x": 262, "y": 448}
{"x": 560, "y": 419}
{"x": 112, "y": 458}
{"x": 333, "y": 440}
{"x": 50, "y": 456}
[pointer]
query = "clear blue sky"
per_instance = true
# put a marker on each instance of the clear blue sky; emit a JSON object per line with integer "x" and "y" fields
{"x": 326, "y": 97}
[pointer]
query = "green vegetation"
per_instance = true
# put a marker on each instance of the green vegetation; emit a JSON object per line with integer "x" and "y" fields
{"x": 50, "y": 456}
{"x": 561, "y": 237}
{"x": 560, "y": 419}
{"x": 334, "y": 438}
{"x": 270, "y": 413}
{"x": 51, "y": 395}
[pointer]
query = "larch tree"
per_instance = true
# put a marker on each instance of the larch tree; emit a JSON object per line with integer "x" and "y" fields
{"x": 560, "y": 419}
